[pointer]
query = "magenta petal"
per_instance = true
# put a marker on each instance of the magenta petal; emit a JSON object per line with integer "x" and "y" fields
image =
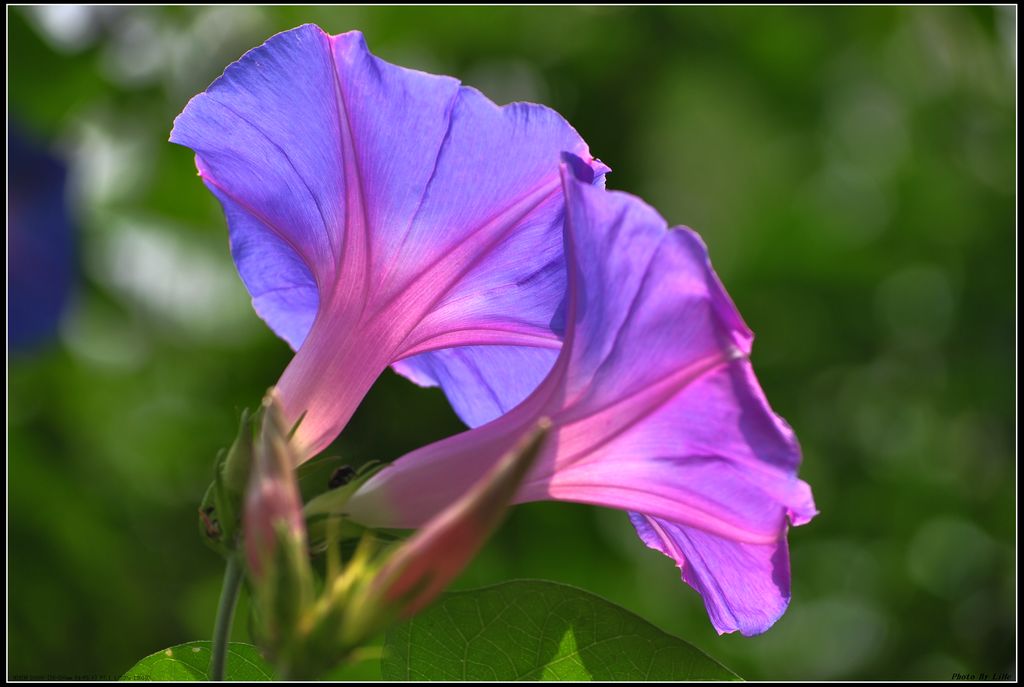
{"x": 711, "y": 455}
{"x": 644, "y": 293}
{"x": 379, "y": 213}
{"x": 746, "y": 587}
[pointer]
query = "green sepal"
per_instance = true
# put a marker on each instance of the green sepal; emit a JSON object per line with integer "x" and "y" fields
{"x": 220, "y": 511}
{"x": 238, "y": 464}
{"x": 228, "y": 505}
{"x": 333, "y": 501}
{"x": 326, "y": 523}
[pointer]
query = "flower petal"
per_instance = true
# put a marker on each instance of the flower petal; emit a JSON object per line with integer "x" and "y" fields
{"x": 426, "y": 216}
{"x": 746, "y": 587}
{"x": 252, "y": 131}
{"x": 710, "y": 455}
{"x": 476, "y": 378}
{"x": 643, "y": 293}
{"x": 283, "y": 290}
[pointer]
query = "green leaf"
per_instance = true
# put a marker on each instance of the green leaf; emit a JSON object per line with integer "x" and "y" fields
{"x": 536, "y": 630}
{"x": 190, "y": 662}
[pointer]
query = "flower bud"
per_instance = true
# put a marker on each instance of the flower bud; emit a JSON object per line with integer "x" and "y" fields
{"x": 275, "y": 535}
{"x": 420, "y": 569}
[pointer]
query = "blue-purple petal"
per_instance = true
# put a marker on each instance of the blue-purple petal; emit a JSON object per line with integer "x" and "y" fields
{"x": 476, "y": 379}
{"x": 251, "y": 131}
{"x": 283, "y": 290}
{"x": 745, "y": 587}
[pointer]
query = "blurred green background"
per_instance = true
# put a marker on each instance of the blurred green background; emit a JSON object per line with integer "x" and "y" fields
{"x": 852, "y": 170}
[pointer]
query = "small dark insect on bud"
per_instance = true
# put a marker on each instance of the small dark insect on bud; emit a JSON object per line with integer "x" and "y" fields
{"x": 211, "y": 525}
{"x": 341, "y": 476}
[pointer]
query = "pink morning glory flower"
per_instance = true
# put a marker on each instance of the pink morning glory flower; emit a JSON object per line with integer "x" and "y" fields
{"x": 654, "y": 409}
{"x": 379, "y": 216}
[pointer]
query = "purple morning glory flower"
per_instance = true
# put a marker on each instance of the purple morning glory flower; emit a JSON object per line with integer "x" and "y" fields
{"x": 40, "y": 242}
{"x": 379, "y": 216}
{"x": 654, "y": 409}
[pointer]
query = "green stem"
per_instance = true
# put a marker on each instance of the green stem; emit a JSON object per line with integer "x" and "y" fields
{"x": 225, "y": 614}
